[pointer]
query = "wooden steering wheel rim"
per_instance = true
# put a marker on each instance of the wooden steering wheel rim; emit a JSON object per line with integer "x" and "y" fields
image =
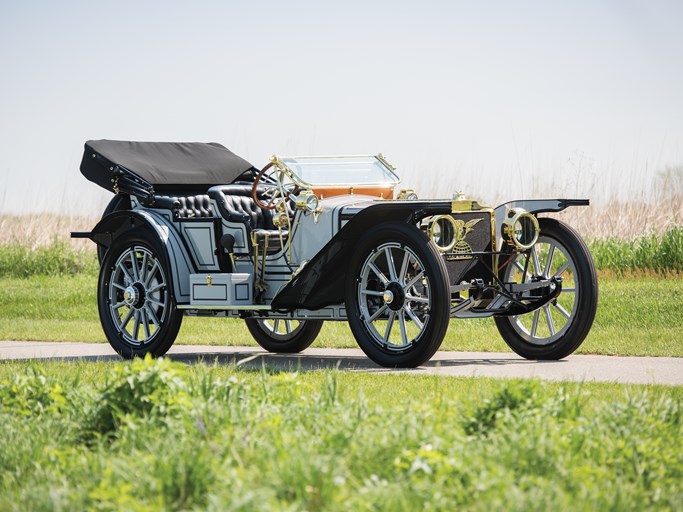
{"x": 254, "y": 189}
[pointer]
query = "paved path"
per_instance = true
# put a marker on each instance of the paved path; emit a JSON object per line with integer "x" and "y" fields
{"x": 627, "y": 370}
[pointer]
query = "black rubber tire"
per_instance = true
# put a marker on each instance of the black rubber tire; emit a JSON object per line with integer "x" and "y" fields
{"x": 165, "y": 335}
{"x": 430, "y": 338}
{"x": 587, "y": 300}
{"x": 299, "y": 340}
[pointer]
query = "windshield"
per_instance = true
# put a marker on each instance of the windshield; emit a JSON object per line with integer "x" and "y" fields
{"x": 340, "y": 170}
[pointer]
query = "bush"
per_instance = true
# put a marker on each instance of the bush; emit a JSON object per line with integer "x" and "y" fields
{"x": 31, "y": 393}
{"x": 146, "y": 389}
{"x": 506, "y": 400}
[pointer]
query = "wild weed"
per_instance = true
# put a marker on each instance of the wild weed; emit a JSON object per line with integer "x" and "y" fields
{"x": 31, "y": 393}
{"x": 507, "y": 400}
{"x": 146, "y": 389}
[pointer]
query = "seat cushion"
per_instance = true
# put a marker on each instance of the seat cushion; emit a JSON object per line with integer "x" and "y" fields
{"x": 236, "y": 205}
{"x": 192, "y": 206}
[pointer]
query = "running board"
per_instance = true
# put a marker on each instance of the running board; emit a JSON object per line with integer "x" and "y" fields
{"x": 258, "y": 307}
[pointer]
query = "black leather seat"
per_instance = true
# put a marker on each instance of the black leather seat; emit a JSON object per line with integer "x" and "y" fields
{"x": 191, "y": 207}
{"x": 235, "y": 204}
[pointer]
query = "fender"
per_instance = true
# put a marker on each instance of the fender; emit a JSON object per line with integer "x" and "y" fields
{"x": 178, "y": 261}
{"x": 534, "y": 206}
{"x": 543, "y": 205}
{"x": 322, "y": 281}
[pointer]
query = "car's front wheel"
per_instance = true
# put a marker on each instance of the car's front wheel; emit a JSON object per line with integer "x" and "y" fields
{"x": 397, "y": 296}
{"x": 558, "y": 328}
{"x": 135, "y": 301}
{"x": 284, "y": 335}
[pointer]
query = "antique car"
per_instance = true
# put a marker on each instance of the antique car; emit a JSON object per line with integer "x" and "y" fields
{"x": 193, "y": 229}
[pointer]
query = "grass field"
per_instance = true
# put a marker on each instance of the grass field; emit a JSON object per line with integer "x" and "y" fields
{"x": 47, "y": 292}
{"x": 161, "y": 435}
{"x": 637, "y": 315}
{"x": 158, "y": 435}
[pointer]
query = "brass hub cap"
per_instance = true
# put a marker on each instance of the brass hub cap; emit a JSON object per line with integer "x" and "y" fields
{"x": 134, "y": 296}
{"x": 131, "y": 296}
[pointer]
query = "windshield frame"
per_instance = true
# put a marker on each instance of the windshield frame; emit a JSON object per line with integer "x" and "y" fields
{"x": 388, "y": 169}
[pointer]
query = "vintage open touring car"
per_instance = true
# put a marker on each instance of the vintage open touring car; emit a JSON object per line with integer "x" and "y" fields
{"x": 193, "y": 229}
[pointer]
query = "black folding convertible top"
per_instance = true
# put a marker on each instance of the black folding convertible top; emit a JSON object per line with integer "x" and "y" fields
{"x": 164, "y": 165}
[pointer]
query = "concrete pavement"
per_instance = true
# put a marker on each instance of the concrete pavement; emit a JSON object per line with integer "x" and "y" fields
{"x": 625, "y": 370}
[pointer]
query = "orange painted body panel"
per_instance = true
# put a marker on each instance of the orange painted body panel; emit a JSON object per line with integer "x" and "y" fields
{"x": 381, "y": 191}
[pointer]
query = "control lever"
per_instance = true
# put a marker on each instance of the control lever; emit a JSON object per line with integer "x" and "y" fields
{"x": 228, "y": 243}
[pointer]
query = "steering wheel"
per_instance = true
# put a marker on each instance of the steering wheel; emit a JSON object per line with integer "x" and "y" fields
{"x": 273, "y": 188}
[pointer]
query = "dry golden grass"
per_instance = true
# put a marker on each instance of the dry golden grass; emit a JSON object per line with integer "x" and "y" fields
{"x": 42, "y": 229}
{"x": 655, "y": 208}
{"x": 625, "y": 220}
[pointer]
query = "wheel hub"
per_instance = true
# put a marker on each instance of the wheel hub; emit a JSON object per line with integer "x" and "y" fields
{"x": 134, "y": 296}
{"x": 394, "y": 296}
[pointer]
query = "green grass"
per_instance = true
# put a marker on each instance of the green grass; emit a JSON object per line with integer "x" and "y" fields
{"x": 661, "y": 254}
{"x": 156, "y": 435}
{"x": 56, "y": 259}
{"x": 49, "y": 293}
{"x": 649, "y": 252}
{"x": 636, "y": 316}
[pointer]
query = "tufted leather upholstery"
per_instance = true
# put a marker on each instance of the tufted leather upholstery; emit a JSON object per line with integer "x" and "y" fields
{"x": 192, "y": 206}
{"x": 236, "y": 205}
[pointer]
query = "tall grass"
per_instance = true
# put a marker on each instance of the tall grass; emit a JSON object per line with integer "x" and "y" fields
{"x": 625, "y": 220}
{"x": 644, "y": 233}
{"x": 33, "y": 245}
{"x": 43, "y": 229}
{"x": 57, "y": 258}
{"x": 618, "y": 208}
{"x": 654, "y": 209}
{"x": 652, "y": 253}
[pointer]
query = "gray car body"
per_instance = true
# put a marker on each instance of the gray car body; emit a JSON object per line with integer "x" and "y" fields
{"x": 190, "y": 247}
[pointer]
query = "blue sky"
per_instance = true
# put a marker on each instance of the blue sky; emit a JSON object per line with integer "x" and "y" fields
{"x": 499, "y": 99}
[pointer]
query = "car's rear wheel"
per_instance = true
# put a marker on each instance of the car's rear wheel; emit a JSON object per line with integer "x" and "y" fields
{"x": 135, "y": 300}
{"x": 558, "y": 328}
{"x": 397, "y": 296}
{"x": 284, "y": 335}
